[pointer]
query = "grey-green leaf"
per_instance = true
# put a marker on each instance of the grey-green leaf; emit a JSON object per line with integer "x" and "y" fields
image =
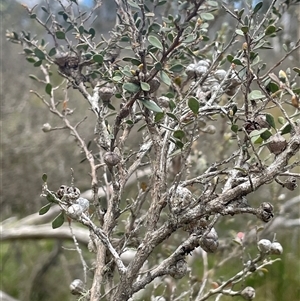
{"x": 98, "y": 58}
{"x": 270, "y": 29}
{"x": 33, "y": 77}
{"x": 281, "y": 120}
{"x": 179, "y": 134}
{"x": 133, "y": 4}
{"x": 52, "y": 51}
{"x": 165, "y": 78}
{"x": 154, "y": 41}
{"x": 39, "y": 53}
{"x": 234, "y": 128}
{"x": 58, "y": 221}
{"x": 145, "y": 86}
{"x": 48, "y": 89}
{"x": 270, "y": 120}
{"x": 257, "y": 7}
{"x": 177, "y": 68}
{"x": 159, "y": 116}
{"x": 287, "y": 129}
{"x": 151, "y": 105}
{"x": 255, "y": 94}
{"x": 207, "y": 16}
{"x": 60, "y": 35}
{"x": 44, "y": 177}
{"x": 45, "y": 209}
{"x": 193, "y": 105}
{"x": 297, "y": 70}
{"x": 131, "y": 87}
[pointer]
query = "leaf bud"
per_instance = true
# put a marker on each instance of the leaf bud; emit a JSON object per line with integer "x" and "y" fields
{"x": 282, "y": 76}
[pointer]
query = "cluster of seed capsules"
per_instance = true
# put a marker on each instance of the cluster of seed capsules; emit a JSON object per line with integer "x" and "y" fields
{"x": 76, "y": 204}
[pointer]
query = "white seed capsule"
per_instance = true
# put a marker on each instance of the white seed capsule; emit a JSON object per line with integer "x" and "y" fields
{"x": 248, "y": 293}
{"x": 264, "y": 246}
{"x": 220, "y": 74}
{"x": 200, "y": 70}
{"x": 84, "y": 203}
{"x": 46, "y": 127}
{"x": 77, "y": 287}
{"x": 276, "y": 248}
{"x": 75, "y": 211}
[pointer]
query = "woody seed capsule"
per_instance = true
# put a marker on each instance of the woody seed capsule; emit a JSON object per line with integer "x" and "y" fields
{"x": 277, "y": 144}
{"x": 111, "y": 159}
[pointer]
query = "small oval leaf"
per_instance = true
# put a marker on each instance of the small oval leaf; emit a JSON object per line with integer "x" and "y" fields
{"x": 92, "y": 32}
{"x": 234, "y": 128}
{"x": 159, "y": 116}
{"x": 171, "y": 115}
{"x": 207, "y": 16}
{"x": 281, "y": 120}
{"x": 52, "y": 51}
{"x": 193, "y": 105}
{"x": 39, "y": 53}
{"x": 33, "y": 77}
{"x": 270, "y": 120}
{"x": 45, "y": 209}
{"x": 131, "y": 87}
{"x": 44, "y": 177}
{"x": 145, "y": 86}
{"x": 154, "y": 41}
{"x": 257, "y": 7}
{"x": 177, "y": 68}
{"x": 98, "y": 58}
{"x": 48, "y": 89}
{"x": 287, "y": 129}
{"x": 237, "y": 62}
{"x": 60, "y": 35}
{"x": 297, "y": 70}
{"x": 151, "y": 105}
{"x": 255, "y": 94}
{"x": 179, "y": 134}
{"x": 58, "y": 221}
{"x": 165, "y": 78}
{"x": 270, "y": 29}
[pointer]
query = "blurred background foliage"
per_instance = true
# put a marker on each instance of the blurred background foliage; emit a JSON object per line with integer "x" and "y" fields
{"x": 43, "y": 269}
